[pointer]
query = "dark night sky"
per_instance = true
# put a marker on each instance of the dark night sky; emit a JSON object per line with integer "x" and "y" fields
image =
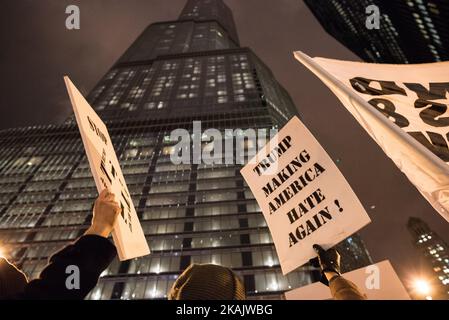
{"x": 37, "y": 50}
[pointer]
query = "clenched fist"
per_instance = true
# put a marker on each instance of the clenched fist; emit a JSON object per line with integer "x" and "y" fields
{"x": 106, "y": 211}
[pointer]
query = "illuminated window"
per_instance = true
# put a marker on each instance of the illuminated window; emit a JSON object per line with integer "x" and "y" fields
{"x": 163, "y": 213}
{"x": 172, "y": 187}
{"x": 170, "y": 199}
{"x": 169, "y": 150}
{"x": 131, "y": 153}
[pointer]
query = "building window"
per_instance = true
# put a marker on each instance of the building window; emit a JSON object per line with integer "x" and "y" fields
{"x": 167, "y": 188}
{"x": 216, "y": 196}
{"x": 160, "y": 200}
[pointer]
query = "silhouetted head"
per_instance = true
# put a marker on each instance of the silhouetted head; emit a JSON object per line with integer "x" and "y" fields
{"x": 207, "y": 282}
{"x": 12, "y": 280}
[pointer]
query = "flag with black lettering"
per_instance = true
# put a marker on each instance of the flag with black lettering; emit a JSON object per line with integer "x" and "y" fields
{"x": 404, "y": 109}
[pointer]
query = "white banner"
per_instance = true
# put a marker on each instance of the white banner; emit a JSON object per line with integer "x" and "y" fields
{"x": 378, "y": 282}
{"x": 128, "y": 235}
{"x": 304, "y": 197}
{"x": 404, "y": 109}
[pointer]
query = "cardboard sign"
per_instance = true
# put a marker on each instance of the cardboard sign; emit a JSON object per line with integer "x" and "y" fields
{"x": 304, "y": 197}
{"x": 378, "y": 282}
{"x": 127, "y": 234}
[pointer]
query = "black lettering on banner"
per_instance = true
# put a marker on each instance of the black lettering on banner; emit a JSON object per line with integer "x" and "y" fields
{"x": 103, "y": 166}
{"x": 313, "y": 223}
{"x": 432, "y": 115}
{"x": 128, "y": 207}
{"x": 387, "y": 108}
{"x": 290, "y": 191}
{"x": 97, "y": 131}
{"x": 437, "y": 90}
{"x": 122, "y": 213}
{"x": 307, "y": 204}
{"x": 273, "y": 156}
{"x": 310, "y": 226}
{"x": 362, "y": 85}
{"x": 113, "y": 171}
{"x": 437, "y": 145}
{"x": 125, "y": 197}
{"x": 286, "y": 172}
{"x": 313, "y": 220}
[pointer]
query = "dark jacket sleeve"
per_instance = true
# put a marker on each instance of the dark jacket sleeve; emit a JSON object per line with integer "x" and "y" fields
{"x": 342, "y": 289}
{"x": 90, "y": 254}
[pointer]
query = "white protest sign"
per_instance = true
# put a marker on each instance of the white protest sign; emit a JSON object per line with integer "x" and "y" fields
{"x": 127, "y": 234}
{"x": 304, "y": 197}
{"x": 378, "y": 282}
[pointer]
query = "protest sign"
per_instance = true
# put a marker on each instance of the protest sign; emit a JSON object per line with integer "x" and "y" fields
{"x": 404, "y": 109}
{"x": 127, "y": 234}
{"x": 377, "y": 282}
{"x": 304, "y": 197}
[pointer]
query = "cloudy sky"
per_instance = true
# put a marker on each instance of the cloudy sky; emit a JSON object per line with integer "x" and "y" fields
{"x": 37, "y": 50}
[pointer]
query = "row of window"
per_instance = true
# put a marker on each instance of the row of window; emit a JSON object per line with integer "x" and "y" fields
{"x": 50, "y": 180}
{"x": 223, "y": 223}
{"x": 88, "y": 184}
{"x": 149, "y": 227}
{"x": 68, "y": 202}
{"x": 158, "y": 287}
{"x": 78, "y": 218}
{"x": 213, "y": 240}
{"x": 133, "y": 289}
{"x": 57, "y": 167}
{"x": 86, "y": 190}
{"x": 176, "y": 243}
{"x": 257, "y": 257}
{"x": 177, "y": 78}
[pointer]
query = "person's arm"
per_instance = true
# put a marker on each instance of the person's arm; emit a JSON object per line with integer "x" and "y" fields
{"x": 74, "y": 271}
{"x": 341, "y": 289}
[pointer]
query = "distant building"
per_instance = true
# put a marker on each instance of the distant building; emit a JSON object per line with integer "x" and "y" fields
{"x": 435, "y": 253}
{"x": 354, "y": 253}
{"x": 411, "y": 31}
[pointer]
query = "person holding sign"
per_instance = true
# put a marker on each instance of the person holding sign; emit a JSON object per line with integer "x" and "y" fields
{"x": 74, "y": 271}
{"x": 329, "y": 264}
{"x": 215, "y": 282}
{"x": 128, "y": 236}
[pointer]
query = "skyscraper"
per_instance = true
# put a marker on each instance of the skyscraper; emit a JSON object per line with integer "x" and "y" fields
{"x": 435, "y": 254}
{"x": 410, "y": 31}
{"x": 175, "y": 73}
{"x": 354, "y": 253}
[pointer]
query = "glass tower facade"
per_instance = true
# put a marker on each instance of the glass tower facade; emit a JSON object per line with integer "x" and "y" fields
{"x": 176, "y": 72}
{"x": 410, "y": 31}
{"x": 435, "y": 256}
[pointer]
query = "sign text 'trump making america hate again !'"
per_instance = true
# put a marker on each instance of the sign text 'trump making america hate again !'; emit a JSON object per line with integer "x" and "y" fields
{"x": 291, "y": 189}
{"x": 303, "y": 196}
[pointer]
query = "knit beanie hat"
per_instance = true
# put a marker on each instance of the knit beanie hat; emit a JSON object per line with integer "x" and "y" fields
{"x": 12, "y": 280}
{"x": 207, "y": 282}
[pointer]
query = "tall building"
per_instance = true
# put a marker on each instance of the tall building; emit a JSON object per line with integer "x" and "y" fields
{"x": 176, "y": 72}
{"x": 435, "y": 255}
{"x": 354, "y": 254}
{"x": 410, "y": 31}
